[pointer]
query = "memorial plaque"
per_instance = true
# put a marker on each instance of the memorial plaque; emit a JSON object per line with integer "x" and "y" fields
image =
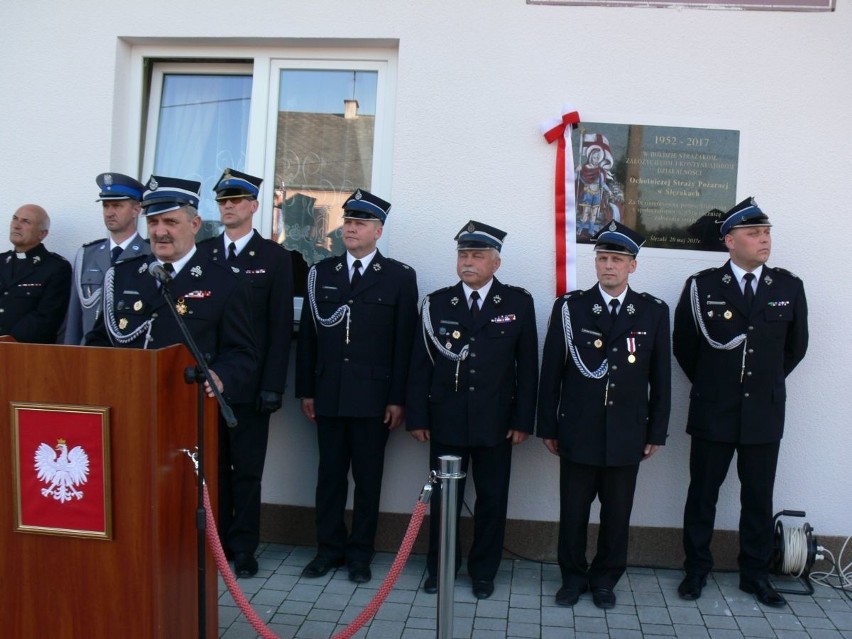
{"x": 668, "y": 183}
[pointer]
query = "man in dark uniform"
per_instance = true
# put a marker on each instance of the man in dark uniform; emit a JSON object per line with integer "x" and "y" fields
{"x": 34, "y": 283}
{"x": 242, "y": 450}
{"x": 604, "y": 401}
{"x": 739, "y": 330}
{"x": 472, "y": 390}
{"x": 213, "y": 302}
{"x": 121, "y": 197}
{"x": 354, "y": 347}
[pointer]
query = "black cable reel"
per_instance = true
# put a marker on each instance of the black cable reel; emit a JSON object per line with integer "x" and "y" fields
{"x": 796, "y": 550}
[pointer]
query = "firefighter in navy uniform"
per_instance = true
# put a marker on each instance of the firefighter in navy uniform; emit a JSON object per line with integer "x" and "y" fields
{"x": 34, "y": 283}
{"x": 242, "y": 450}
{"x": 472, "y": 390}
{"x": 739, "y": 331}
{"x": 603, "y": 407}
{"x": 212, "y": 301}
{"x": 355, "y": 336}
{"x": 120, "y": 197}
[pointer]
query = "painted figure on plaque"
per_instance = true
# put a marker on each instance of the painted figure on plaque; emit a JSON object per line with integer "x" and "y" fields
{"x": 599, "y": 197}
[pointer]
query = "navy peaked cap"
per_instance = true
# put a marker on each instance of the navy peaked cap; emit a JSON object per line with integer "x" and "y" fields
{"x": 363, "y": 205}
{"x": 615, "y": 237}
{"x": 236, "y": 184}
{"x": 476, "y": 235}
{"x": 746, "y": 213}
{"x": 117, "y": 186}
{"x": 164, "y": 194}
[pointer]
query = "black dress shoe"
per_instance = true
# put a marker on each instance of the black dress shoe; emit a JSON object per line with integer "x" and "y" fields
{"x": 483, "y": 588}
{"x": 603, "y": 598}
{"x": 245, "y": 565}
{"x": 319, "y": 566}
{"x": 430, "y": 586}
{"x": 763, "y": 592}
{"x": 568, "y": 596}
{"x": 691, "y": 586}
{"x": 359, "y": 572}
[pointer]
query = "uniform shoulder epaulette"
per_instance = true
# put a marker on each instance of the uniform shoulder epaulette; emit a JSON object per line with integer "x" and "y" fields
{"x": 93, "y": 242}
{"x": 706, "y": 271}
{"x": 58, "y": 256}
{"x": 397, "y": 262}
{"x": 570, "y": 294}
{"x": 520, "y": 289}
{"x": 439, "y": 291}
{"x": 784, "y": 271}
{"x": 651, "y": 298}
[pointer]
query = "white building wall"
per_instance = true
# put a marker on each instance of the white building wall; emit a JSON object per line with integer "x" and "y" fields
{"x": 475, "y": 79}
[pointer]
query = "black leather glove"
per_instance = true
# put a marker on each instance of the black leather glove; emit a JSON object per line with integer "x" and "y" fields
{"x": 268, "y": 401}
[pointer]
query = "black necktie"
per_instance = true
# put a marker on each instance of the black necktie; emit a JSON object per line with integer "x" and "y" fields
{"x": 169, "y": 268}
{"x": 114, "y": 253}
{"x": 356, "y": 274}
{"x": 748, "y": 290}
{"x": 474, "y": 304}
{"x": 613, "y": 305}
{"x": 232, "y": 251}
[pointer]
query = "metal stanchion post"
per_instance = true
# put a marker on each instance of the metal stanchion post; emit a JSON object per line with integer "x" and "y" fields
{"x": 449, "y": 475}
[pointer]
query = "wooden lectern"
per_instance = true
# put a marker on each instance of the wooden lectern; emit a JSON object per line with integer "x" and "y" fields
{"x": 143, "y": 582}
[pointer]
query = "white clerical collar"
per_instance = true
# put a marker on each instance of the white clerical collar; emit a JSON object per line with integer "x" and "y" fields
{"x": 365, "y": 261}
{"x": 181, "y": 262}
{"x": 483, "y": 290}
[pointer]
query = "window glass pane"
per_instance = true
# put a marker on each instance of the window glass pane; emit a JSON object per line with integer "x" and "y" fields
{"x": 202, "y": 129}
{"x": 324, "y": 151}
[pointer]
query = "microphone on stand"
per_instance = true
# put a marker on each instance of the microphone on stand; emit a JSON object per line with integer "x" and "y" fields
{"x": 159, "y": 273}
{"x": 163, "y": 276}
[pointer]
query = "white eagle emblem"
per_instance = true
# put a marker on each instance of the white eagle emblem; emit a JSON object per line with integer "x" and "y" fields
{"x": 62, "y": 473}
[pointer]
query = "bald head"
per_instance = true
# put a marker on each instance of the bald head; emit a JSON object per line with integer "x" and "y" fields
{"x": 30, "y": 224}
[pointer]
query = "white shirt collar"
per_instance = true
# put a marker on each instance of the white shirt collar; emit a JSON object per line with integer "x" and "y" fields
{"x": 365, "y": 261}
{"x": 123, "y": 245}
{"x": 739, "y": 272}
{"x": 483, "y": 291}
{"x": 239, "y": 244}
{"x": 608, "y": 298}
{"x": 182, "y": 261}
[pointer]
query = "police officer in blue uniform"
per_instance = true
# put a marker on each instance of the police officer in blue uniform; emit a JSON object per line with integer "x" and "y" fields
{"x": 34, "y": 283}
{"x": 354, "y": 347}
{"x": 472, "y": 390}
{"x": 604, "y": 402}
{"x": 120, "y": 197}
{"x": 212, "y": 301}
{"x": 242, "y": 450}
{"x": 739, "y": 331}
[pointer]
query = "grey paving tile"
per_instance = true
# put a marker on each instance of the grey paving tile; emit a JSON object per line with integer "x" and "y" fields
{"x": 315, "y": 630}
{"x": 332, "y": 601}
{"x": 320, "y": 614}
{"x": 488, "y": 634}
{"x": 280, "y": 582}
{"x": 517, "y": 629}
{"x": 489, "y": 623}
{"x": 425, "y": 612}
{"x": 825, "y": 634}
{"x": 524, "y": 601}
{"x": 724, "y": 633}
{"x": 725, "y": 622}
{"x": 780, "y": 621}
{"x": 657, "y": 630}
{"x": 834, "y": 604}
{"x": 305, "y": 593}
{"x": 816, "y": 623}
{"x": 805, "y": 608}
{"x": 792, "y": 634}
{"x": 690, "y": 632}
{"x": 616, "y": 620}
{"x": 648, "y": 599}
{"x": 393, "y": 611}
{"x": 755, "y": 627}
{"x": 625, "y": 633}
{"x": 525, "y": 615}
{"x": 653, "y": 615}
{"x": 288, "y": 619}
{"x": 842, "y": 620}
{"x": 490, "y": 608}
{"x": 589, "y": 624}
{"x": 422, "y": 622}
{"x": 555, "y": 632}
{"x": 683, "y": 616}
{"x": 385, "y": 629}
{"x": 559, "y": 617}
{"x": 462, "y": 628}
{"x": 415, "y": 633}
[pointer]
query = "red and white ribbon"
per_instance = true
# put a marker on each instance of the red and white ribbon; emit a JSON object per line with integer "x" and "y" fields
{"x": 565, "y": 205}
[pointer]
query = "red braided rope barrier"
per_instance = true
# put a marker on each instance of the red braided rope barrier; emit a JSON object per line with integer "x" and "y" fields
{"x": 393, "y": 574}
{"x": 359, "y": 621}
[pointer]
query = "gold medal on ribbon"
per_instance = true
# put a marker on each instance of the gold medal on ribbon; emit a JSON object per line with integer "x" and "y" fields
{"x": 122, "y": 323}
{"x": 631, "y": 348}
{"x": 598, "y": 343}
{"x": 181, "y": 307}
{"x": 137, "y": 305}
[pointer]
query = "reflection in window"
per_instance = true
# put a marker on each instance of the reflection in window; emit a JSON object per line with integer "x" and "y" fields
{"x": 324, "y": 151}
{"x": 202, "y": 129}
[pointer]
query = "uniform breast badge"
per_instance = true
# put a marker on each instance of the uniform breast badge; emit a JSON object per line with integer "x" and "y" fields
{"x": 598, "y": 343}
{"x": 181, "y": 307}
{"x": 597, "y": 309}
{"x": 728, "y": 315}
{"x": 137, "y": 306}
{"x": 122, "y": 323}
{"x": 726, "y": 278}
{"x": 456, "y": 334}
